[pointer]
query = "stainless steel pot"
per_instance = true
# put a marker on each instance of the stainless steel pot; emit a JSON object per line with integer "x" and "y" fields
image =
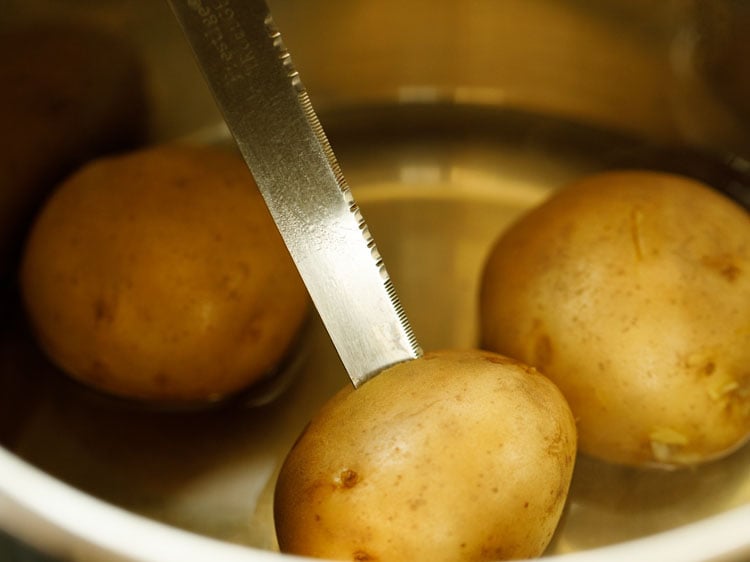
{"x": 449, "y": 118}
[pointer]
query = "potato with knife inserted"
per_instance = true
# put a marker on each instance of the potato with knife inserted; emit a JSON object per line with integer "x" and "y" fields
{"x": 458, "y": 455}
{"x": 159, "y": 275}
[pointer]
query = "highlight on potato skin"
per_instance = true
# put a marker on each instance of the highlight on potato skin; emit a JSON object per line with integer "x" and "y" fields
{"x": 459, "y": 455}
{"x": 631, "y": 291}
{"x": 159, "y": 275}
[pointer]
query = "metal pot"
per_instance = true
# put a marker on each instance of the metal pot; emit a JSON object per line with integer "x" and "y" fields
{"x": 449, "y": 118}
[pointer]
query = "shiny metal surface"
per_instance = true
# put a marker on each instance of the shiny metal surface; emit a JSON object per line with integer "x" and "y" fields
{"x": 449, "y": 118}
{"x": 269, "y": 113}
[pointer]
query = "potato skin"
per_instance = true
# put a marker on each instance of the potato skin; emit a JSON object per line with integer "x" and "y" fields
{"x": 631, "y": 291}
{"x": 459, "y": 455}
{"x": 159, "y": 275}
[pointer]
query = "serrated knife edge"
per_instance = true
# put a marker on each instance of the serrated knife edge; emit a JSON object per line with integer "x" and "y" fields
{"x": 270, "y": 116}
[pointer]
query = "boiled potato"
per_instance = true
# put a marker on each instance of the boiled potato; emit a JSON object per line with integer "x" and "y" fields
{"x": 159, "y": 275}
{"x": 631, "y": 291}
{"x": 460, "y": 455}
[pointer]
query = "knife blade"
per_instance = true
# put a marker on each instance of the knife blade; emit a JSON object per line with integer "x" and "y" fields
{"x": 268, "y": 112}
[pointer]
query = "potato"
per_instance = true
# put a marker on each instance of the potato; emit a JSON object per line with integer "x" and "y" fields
{"x": 159, "y": 275}
{"x": 459, "y": 455}
{"x": 631, "y": 291}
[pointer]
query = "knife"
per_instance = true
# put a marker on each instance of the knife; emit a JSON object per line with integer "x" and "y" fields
{"x": 267, "y": 110}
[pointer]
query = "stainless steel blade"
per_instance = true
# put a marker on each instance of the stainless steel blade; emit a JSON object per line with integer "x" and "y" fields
{"x": 273, "y": 123}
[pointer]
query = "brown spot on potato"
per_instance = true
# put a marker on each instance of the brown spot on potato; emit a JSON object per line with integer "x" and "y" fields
{"x": 161, "y": 380}
{"x": 709, "y": 368}
{"x": 104, "y": 311}
{"x": 724, "y": 266}
{"x": 416, "y": 503}
{"x": 98, "y": 371}
{"x": 348, "y": 478}
{"x": 494, "y": 552}
{"x": 362, "y": 556}
{"x": 252, "y": 330}
{"x": 730, "y": 272}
